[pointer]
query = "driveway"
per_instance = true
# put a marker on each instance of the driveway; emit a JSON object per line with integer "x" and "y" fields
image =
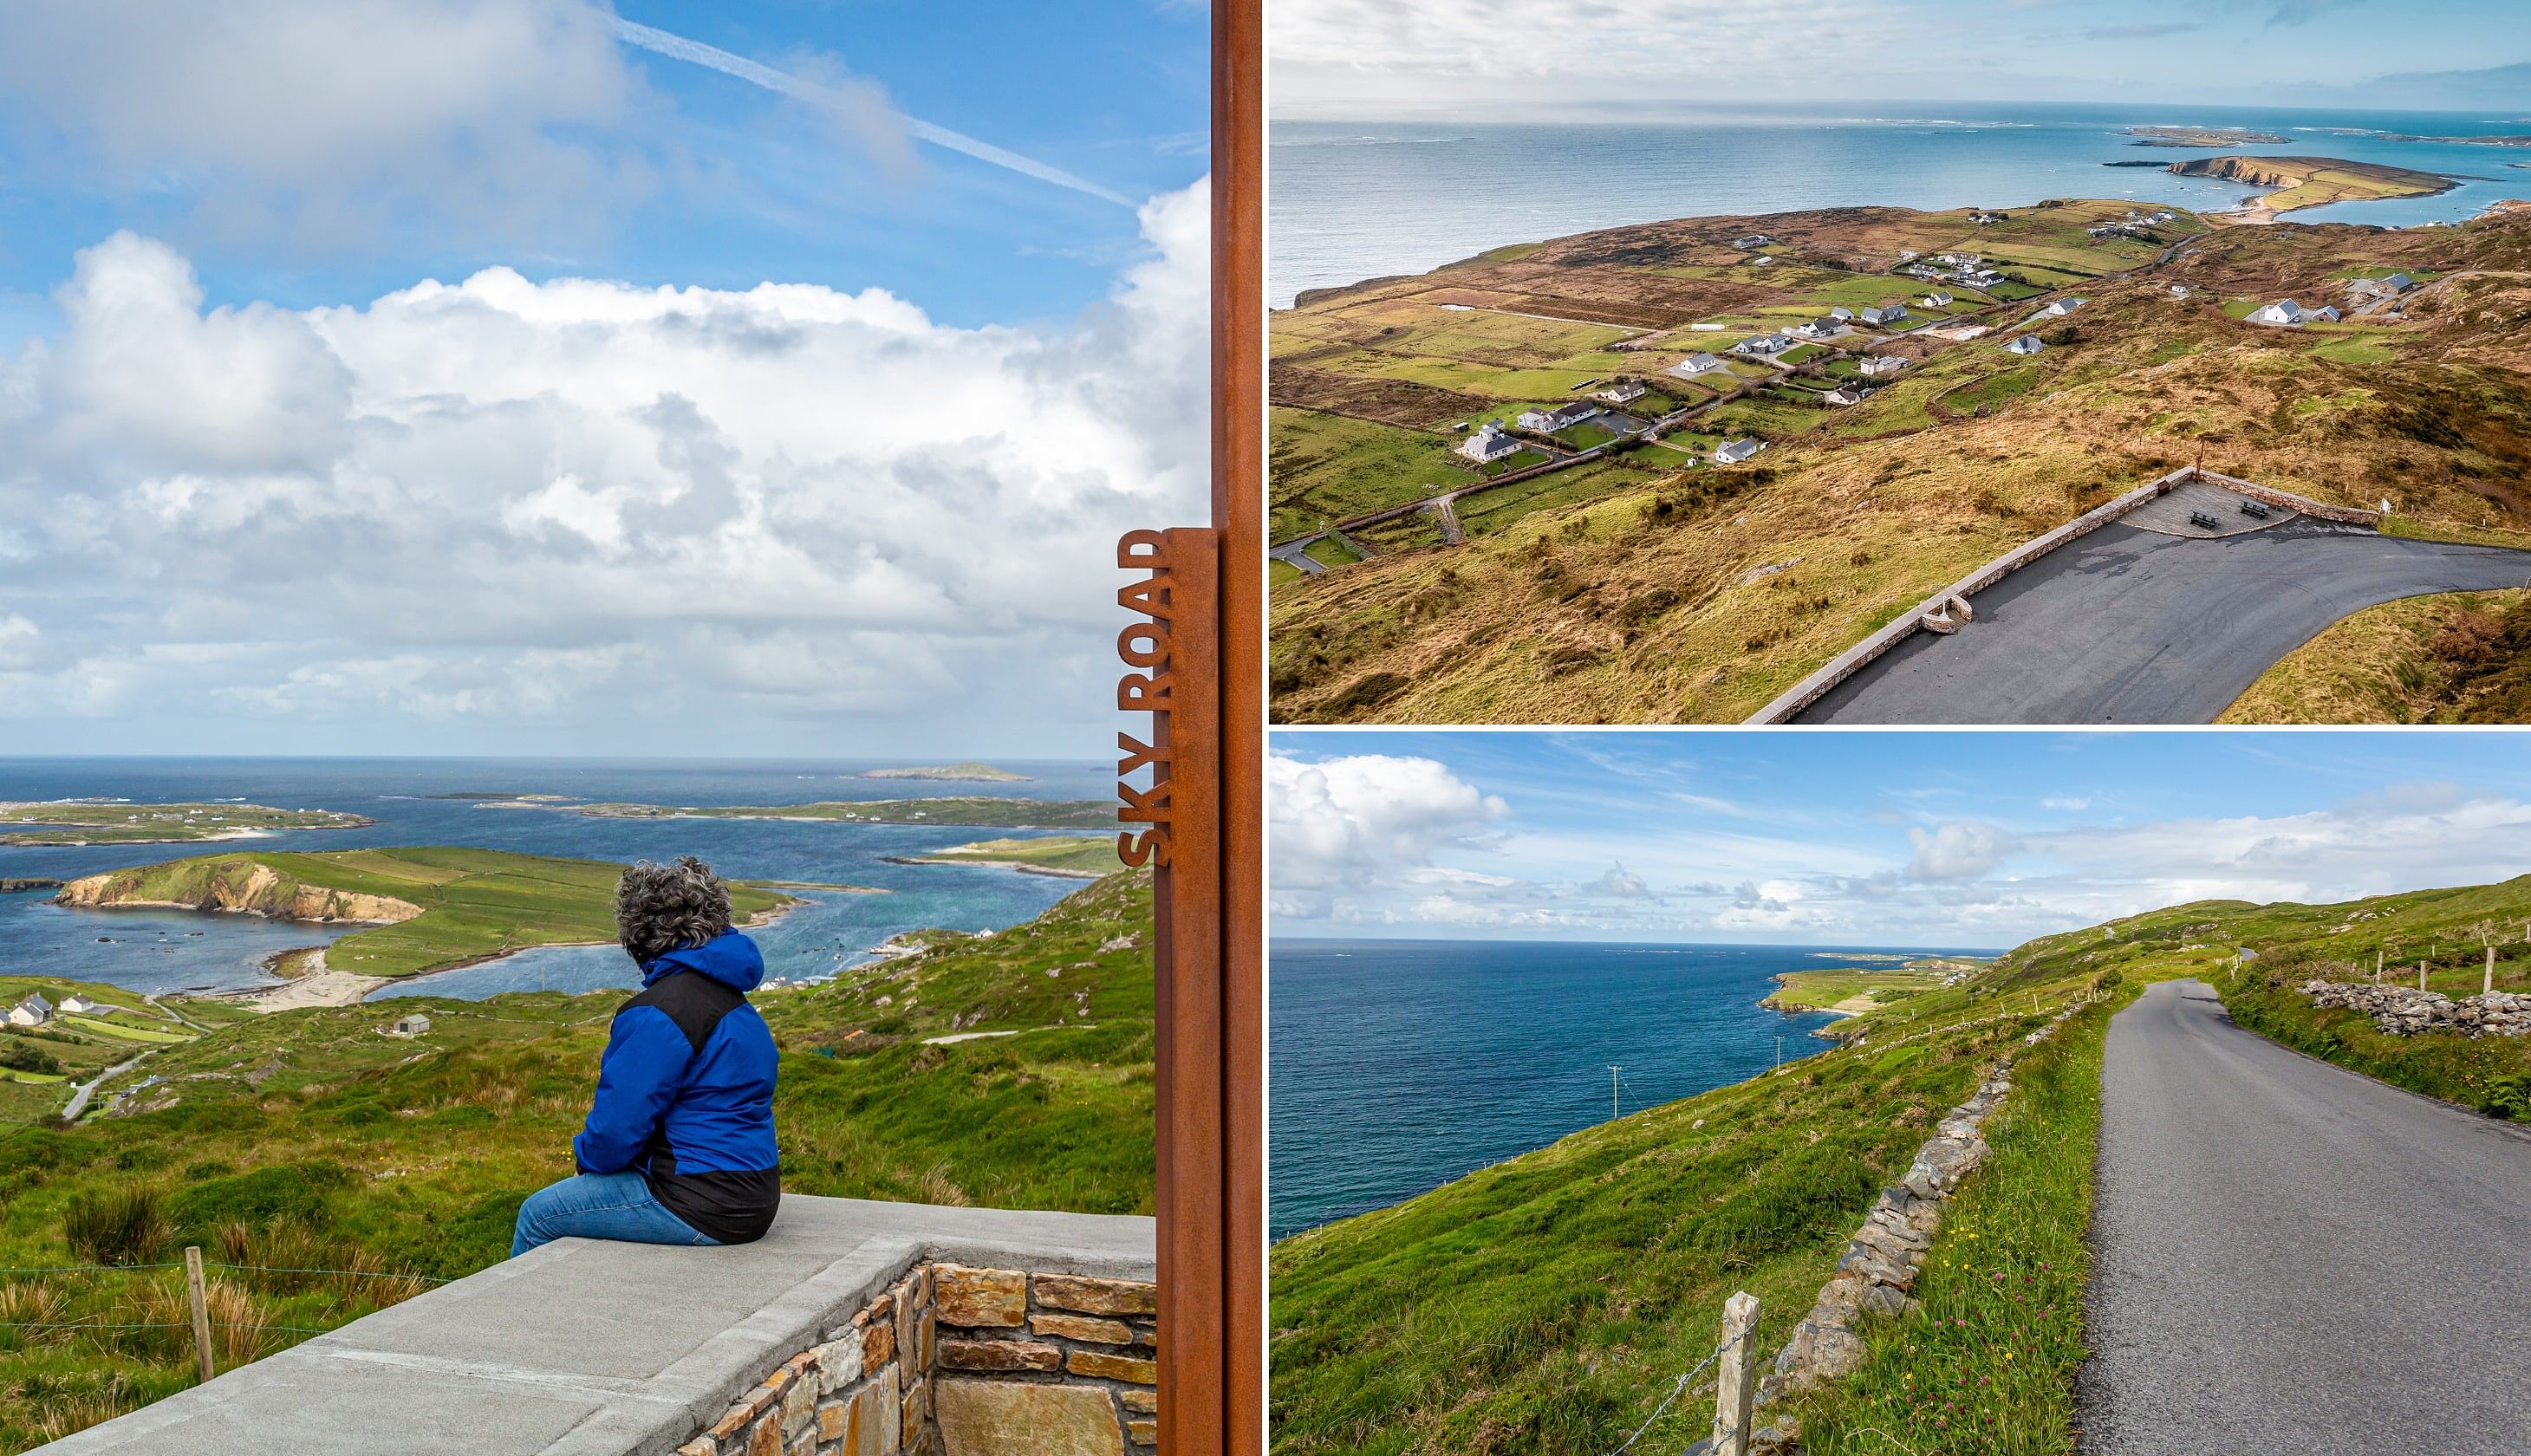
{"x": 2131, "y": 624}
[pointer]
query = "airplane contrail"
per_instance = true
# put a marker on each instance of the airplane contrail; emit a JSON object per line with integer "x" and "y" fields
{"x": 678, "y": 47}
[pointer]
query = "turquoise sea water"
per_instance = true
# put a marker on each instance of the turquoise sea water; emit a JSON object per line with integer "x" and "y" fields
{"x": 155, "y": 951}
{"x": 1399, "y": 1065}
{"x": 1351, "y": 201}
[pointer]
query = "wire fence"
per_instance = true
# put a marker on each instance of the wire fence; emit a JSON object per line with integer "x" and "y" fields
{"x": 1674, "y": 1393}
{"x": 242, "y": 1268}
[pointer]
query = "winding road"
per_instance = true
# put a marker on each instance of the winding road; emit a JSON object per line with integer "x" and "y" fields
{"x": 2131, "y": 624}
{"x": 2289, "y": 1257}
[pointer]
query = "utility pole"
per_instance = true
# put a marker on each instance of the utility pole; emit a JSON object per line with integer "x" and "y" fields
{"x": 1779, "y": 1054}
{"x": 2421, "y": 975}
{"x": 1613, "y": 1094}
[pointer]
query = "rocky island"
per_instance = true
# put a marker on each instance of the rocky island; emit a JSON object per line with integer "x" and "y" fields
{"x": 2308, "y": 182}
{"x": 2203, "y": 136}
{"x": 964, "y": 773}
{"x": 983, "y": 810}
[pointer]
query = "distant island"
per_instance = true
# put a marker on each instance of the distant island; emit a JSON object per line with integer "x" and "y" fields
{"x": 1067, "y": 858}
{"x": 963, "y": 773}
{"x": 2203, "y": 136}
{"x": 983, "y": 810}
{"x": 430, "y": 909}
{"x": 88, "y": 821}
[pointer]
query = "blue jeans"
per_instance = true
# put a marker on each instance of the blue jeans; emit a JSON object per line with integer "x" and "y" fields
{"x": 599, "y": 1205}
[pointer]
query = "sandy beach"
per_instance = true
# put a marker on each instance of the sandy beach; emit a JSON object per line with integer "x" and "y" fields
{"x": 320, "y": 986}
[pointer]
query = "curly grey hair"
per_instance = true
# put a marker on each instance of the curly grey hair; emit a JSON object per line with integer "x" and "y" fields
{"x": 660, "y": 908}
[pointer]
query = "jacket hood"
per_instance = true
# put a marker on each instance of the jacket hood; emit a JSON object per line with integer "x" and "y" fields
{"x": 729, "y": 958}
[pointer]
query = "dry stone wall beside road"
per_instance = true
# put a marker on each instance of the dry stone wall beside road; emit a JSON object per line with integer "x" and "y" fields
{"x": 2405, "y": 1011}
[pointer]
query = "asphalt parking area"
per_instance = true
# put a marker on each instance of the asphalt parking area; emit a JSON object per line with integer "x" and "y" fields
{"x": 2132, "y": 625}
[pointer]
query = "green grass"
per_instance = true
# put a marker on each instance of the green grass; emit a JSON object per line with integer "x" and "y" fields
{"x": 125, "y": 1032}
{"x": 1329, "y": 468}
{"x": 1548, "y": 1303}
{"x": 1069, "y": 854}
{"x": 1328, "y": 551}
{"x": 1987, "y": 1367}
{"x": 305, "y": 1140}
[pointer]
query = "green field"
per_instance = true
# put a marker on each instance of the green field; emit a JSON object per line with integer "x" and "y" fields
{"x": 1326, "y": 468}
{"x": 474, "y": 904}
{"x": 1068, "y": 855}
{"x": 159, "y": 824}
{"x": 305, "y": 1140}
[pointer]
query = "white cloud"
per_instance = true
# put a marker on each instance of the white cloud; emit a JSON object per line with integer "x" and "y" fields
{"x": 2067, "y": 803}
{"x": 1351, "y": 826}
{"x": 645, "y": 520}
{"x": 1960, "y": 849}
{"x": 345, "y": 116}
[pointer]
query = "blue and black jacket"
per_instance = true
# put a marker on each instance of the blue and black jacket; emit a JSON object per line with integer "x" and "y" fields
{"x": 685, "y": 1094}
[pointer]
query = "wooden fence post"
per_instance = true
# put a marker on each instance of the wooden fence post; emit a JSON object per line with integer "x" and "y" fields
{"x": 2421, "y": 975}
{"x": 1735, "y": 1393}
{"x": 194, "y": 1295}
{"x": 2488, "y": 984}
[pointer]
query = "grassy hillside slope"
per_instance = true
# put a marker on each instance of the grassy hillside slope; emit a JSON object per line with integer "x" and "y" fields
{"x": 1549, "y": 1302}
{"x": 1698, "y": 595}
{"x": 307, "y": 1139}
{"x": 2465, "y": 657}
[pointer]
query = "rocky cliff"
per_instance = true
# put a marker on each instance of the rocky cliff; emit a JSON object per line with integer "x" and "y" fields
{"x": 235, "y": 884}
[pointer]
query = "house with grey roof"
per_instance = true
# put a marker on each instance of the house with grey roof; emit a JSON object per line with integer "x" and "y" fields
{"x": 1884, "y": 315}
{"x": 1695, "y": 364}
{"x": 1489, "y": 445}
{"x": 1732, "y": 451}
{"x": 2027, "y": 344}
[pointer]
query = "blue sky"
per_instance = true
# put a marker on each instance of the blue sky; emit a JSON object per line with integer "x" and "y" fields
{"x": 1529, "y": 59}
{"x": 536, "y": 376}
{"x": 1897, "y": 838}
{"x": 726, "y": 185}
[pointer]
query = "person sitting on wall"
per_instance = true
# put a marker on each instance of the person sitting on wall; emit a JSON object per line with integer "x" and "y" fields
{"x": 679, "y": 1144}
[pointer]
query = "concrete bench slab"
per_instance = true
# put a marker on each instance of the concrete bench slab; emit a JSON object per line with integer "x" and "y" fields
{"x": 585, "y": 1348}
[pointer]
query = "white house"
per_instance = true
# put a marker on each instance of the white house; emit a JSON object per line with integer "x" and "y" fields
{"x": 2179, "y": 290}
{"x": 1851, "y": 394}
{"x": 1549, "y": 421}
{"x": 1841, "y": 316}
{"x": 1623, "y": 392}
{"x": 1752, "y": 243}
{"x": 1886, "y": 314}
{"x": 34, "y": 1010}
{"x": 1989, "y": 219}
{"x": 77, "y": 1005}
{"x": 2320, "y": 315}
{"x": 1877, "y": 365}
{"x": 1695, "y": 364}
{"x": 2063, "y": 306}
{"x": 1732, "y": 451}
{"x": 1763, "y": 345}
{"x": 1489, "y": 445}
{"x": 1817, "y": 328}
{"x": 2285, "y": 314}
{"x": 1935, "y": 300}
{"x": 410, "y": 1026}
{"x": 2027, "y": 344}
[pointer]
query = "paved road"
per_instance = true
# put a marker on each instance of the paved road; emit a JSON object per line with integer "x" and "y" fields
{"x": 2290, "y": 1257}
{"x": 2133, "y": 625}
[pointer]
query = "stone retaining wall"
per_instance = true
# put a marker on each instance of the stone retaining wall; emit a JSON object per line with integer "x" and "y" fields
{"x": 2304, "y": 504}
{"x": 2405, "y": 1011}
{"x": 956, "y": 1361}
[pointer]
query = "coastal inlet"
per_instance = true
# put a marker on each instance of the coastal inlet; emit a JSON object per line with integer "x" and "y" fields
{"x": 525, "y": 807}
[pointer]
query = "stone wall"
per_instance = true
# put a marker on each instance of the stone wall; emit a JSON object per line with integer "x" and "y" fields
{"x": 2304, "y": 504}
{"x": 957, "y": 1361}
{"x": 1878, "y": 1273}
{"x": 2405, "y": 1011}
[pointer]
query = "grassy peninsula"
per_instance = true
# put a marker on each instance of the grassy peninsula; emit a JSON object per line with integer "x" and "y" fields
{"x": 1084, "y": 857}
{"x": 110, "y": 822}
{"x": 1547, "y": 1304}
{"x": 1654, "y": 582}
{"x": 968, "y": 809}
{"x": 430, "y": 909}
{"x": 970, "y": 774}
{"x": 305, "y": 1140}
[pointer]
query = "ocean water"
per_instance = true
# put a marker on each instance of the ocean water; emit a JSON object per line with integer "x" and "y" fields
{"x": 1349, "y": 200}
{"x": 155, "y": 951}
{"x": 1397, "y": 1066}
